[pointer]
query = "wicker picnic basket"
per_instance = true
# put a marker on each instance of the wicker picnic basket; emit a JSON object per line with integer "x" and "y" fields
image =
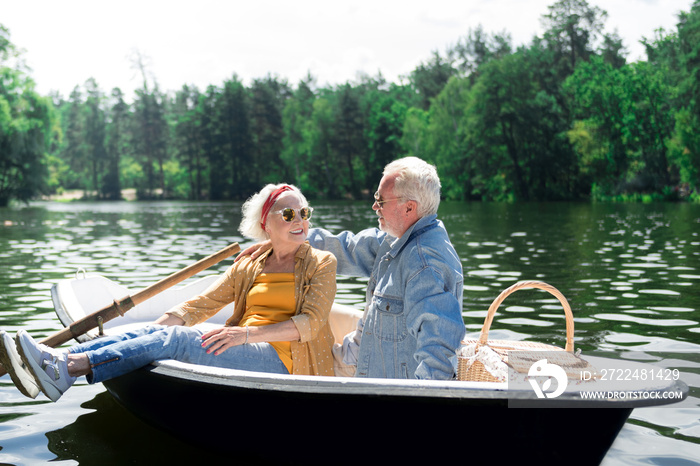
{"x": 473, "y": 370}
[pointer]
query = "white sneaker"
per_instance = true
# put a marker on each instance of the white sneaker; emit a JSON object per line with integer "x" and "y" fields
{"x": 11, "y": 361}
{"x": 48, "y": 366}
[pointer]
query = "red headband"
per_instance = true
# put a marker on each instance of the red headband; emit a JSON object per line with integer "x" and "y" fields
{"x": 271, "y": 199}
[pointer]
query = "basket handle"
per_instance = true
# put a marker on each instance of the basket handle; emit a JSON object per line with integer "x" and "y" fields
{"x": 531, "y": 284}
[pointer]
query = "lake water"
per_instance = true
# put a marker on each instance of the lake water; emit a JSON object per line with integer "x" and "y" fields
{"x": 630, "y": 272}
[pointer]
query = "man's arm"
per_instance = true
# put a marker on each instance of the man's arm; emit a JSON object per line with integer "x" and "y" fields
{"x": 356, "y": 253}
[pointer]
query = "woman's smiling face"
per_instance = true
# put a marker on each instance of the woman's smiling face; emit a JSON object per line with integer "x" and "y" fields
{"x": 281, "y": 232}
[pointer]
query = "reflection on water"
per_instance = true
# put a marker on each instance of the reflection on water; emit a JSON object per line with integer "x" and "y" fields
{"x": 630, "y": 272}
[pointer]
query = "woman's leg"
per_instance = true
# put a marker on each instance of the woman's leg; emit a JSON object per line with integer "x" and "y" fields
{"x": 180, "y": 343}
{"x": 112, "y": 339}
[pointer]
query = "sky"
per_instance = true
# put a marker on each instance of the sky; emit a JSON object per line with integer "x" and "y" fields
{"x": 206, "y": 42}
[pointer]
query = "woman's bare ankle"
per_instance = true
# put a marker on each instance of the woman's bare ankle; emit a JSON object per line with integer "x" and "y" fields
{"x": 78, "y": 365}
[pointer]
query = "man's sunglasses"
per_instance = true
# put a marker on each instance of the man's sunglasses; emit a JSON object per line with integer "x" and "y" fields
{"x": 289, "y": 214}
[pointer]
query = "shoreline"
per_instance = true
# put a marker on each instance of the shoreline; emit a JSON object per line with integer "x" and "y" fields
{"x": 70, "y": 195}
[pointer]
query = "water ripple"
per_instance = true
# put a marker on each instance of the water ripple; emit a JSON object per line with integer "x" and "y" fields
{"x": 629, "y": 272}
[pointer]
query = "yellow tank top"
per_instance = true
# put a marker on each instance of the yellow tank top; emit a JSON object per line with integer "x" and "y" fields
{"x": 270, "y": 301}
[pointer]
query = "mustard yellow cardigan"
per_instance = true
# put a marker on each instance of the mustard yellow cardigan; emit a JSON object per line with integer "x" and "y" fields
{"x": 314, "y": 292}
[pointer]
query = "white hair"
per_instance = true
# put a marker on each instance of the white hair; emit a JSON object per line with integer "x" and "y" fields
{"x": 418, "y": 181}
{"x": 252, "y": 211}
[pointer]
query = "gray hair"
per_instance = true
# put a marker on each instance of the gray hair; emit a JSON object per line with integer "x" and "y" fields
{"x": 418, "y": 181}
{"x": 252, "y": 211}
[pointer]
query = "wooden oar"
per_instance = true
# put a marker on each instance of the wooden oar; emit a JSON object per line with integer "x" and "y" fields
{"x": 118, "y": 308}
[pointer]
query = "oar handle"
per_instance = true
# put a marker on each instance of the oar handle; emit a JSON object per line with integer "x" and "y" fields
{"x": 120, "y": 307}
{"x": 87, "y": 323}
{"x": 183, "y": 274}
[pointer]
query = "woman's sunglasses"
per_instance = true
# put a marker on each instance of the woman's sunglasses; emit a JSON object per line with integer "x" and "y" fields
{"x": 289, "y": 214}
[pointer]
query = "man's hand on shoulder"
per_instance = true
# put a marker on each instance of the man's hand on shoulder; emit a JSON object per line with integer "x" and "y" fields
{"x": 254, "y": 251}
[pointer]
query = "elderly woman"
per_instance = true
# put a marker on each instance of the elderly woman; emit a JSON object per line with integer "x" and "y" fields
{"x": 279, "y": 324}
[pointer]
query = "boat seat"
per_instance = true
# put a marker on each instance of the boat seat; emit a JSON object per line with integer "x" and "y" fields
{"x": 343, "y": 320}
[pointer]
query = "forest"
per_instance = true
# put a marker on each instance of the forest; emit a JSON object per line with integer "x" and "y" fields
{"x": 565, "y": 117}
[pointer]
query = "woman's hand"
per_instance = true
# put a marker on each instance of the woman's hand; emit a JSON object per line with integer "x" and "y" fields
{"x": 254, "y": 251}
{"x": 221, "y": 339}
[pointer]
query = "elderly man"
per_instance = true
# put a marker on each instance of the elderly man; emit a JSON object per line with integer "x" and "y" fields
{"x": 412, "y": 324}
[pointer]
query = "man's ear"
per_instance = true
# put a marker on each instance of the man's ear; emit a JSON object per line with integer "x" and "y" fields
{"x": 411, "y": 206}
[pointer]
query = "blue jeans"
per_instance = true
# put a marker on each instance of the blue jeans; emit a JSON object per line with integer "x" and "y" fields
{"x": 115, "y": 355}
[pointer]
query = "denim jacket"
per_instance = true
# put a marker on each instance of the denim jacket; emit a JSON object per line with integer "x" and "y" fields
{"x": 412, "y": 323}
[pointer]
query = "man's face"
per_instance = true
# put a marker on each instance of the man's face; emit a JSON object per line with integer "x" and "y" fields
{"x": 389, "y": 208}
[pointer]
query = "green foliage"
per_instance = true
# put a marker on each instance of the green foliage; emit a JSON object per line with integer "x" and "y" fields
{"x": 295, "y": 149}
{"x": 628, "y": 113}
{"x": 684, "y": 148}
{"x": 572, "y": 28}
{"x": 351, "y": 139}
{"x": 176, "y": 180}
{"x": 26, "y": 129}
{"x": 240, "y": 116}
{"x": 149, "y": 140}
{"x": 562, "y": 118}
{"x": 599, "y": 136}
{"x": 479, "y": 47}
{"x": 187, "y": 135}
{"x": 131, "y": 172}
{"x": 446, "y": 140}
{"x": 384, "y": 129}
{"x": 117, "y": 145}
{"x": 429, "y": 78}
